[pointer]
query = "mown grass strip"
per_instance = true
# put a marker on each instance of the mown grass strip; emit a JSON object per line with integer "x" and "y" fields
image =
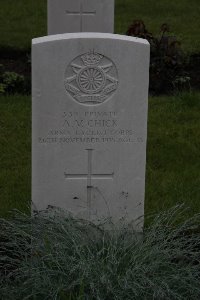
{"x": 23, "y": 20}
{"x": 173, "y": 161}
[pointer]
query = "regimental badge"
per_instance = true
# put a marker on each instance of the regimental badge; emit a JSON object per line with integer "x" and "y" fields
{"x": 91, "y": 78}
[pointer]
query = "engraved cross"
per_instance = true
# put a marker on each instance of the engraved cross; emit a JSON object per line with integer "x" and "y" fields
{"x": 89, "y": 176}
{"x": 81, "y": 13}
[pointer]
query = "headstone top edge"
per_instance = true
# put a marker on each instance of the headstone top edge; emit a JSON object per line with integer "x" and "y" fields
{"x": 110, "y": 1}
{"x": 89, "y": 35}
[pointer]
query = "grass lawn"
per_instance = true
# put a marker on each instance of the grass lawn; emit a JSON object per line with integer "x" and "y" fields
{"x": 25, "y": 19}
{"x": 173, "y": 157}
{"x": 15, "y": 158}
{"x": 173, "y": 161}
{"x": 181, "y": 15}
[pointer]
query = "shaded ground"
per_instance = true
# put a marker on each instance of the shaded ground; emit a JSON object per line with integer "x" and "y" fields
{"x": 18, "y": 61}
{"x": 193, "y": 69}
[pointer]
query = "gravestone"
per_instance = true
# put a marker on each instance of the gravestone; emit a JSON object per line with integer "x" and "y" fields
{"x": 89, "y": 125}
{"x": 68, "y": 16}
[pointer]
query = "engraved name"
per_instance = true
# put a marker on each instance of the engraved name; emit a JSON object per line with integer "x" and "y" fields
{"x": 90, "y": 127}
{"x": 90, "y": 123}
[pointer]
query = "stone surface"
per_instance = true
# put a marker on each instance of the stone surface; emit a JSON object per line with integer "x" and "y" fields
{"x": 89, "y": 124}
{"x": 68, "y": 16}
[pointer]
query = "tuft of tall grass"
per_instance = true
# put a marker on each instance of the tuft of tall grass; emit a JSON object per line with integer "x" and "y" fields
{"x": 54, "y": 256}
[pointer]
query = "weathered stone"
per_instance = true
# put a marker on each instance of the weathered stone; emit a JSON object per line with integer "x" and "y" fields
{"x": 68, "y": 16}
{"x": 90, "y": 94}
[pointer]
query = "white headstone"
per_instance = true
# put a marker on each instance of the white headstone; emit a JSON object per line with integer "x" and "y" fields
{"x": 68, "y": 16}
{"x": 89, "y": 129}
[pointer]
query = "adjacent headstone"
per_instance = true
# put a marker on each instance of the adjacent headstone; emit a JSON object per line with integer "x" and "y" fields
{"x": 68, "y": 16}
{"x": 89, "y": 129}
